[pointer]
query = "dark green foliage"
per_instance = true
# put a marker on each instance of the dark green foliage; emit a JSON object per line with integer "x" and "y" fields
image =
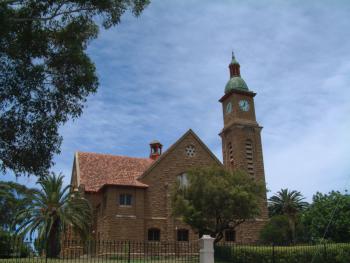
{"x": 46, "y": 74}
{"x": 216, "y": 200}
{"x": 286, "y": 202}
{"x": 13, "y": 198}
{"x": 5, "y": 245}
{"x": 329, "y": 212}
{"x": 277, "y": 231}
{"x": 290, "y": 204}
{"x": 330, "y": 253}
{"x": 52, "y": 210}
{"x": 11, "y": 246}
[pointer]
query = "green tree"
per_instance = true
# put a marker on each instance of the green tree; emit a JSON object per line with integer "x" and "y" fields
{"x": 329, "y": 217}
{"x": 288, "y": 203}
{"x": 277, "y": 230}
{"x": 46, "y": 74}
{"x": 52, "y": 210}
{"x": 215, "y": 200}
{"x": 13, "y": 198}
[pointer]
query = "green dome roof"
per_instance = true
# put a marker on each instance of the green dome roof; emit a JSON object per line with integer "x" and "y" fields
{"x": 236, "y": 83}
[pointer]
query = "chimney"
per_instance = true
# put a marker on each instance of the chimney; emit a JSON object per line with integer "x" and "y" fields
{"x": 156, "y": 149}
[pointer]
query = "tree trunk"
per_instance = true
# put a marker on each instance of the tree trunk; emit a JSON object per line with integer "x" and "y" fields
{"x": 292, "y": 228}
{"x": 218, "y": 237}
{"x": 53, "y": 243}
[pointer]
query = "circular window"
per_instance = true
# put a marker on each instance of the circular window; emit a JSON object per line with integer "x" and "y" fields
{"x": 190, "y": 151}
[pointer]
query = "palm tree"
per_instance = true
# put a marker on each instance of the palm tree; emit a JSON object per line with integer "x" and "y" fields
{"x": 288, "y": 203}
{"x": 54, "y": 208}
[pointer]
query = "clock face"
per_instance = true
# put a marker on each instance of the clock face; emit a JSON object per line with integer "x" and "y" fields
{"x": 229, "y": 107}
{"x": 243, "y": 105}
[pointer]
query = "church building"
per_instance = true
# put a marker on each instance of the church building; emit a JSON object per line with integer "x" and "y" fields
{"x": 130, "y": 196}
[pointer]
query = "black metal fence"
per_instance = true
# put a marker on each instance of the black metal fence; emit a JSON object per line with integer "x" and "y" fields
{"x": 301, "y": 253}
{"x": 102, "y": 251}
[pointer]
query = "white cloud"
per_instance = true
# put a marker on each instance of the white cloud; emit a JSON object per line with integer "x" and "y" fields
{"x": 163, "y": 73}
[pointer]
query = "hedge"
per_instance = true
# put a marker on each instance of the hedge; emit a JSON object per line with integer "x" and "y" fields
{"x": 326, "y": 253}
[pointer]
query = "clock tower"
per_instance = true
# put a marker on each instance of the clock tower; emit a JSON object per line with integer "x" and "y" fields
{"x": 241, "y": 134}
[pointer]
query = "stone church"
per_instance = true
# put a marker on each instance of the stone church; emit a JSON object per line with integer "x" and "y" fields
{"x": 130, "y": 196}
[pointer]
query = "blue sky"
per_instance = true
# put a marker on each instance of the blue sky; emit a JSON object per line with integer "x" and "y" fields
{"x": 163, "y": 73}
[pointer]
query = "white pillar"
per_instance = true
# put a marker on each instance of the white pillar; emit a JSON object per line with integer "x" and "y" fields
{"x": 206, "y": 252}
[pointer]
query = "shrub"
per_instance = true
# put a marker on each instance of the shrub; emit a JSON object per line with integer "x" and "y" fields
{"x": 5, "y": 246}
{"x": 327, "y": 253}
{"x": 277, "y": 230}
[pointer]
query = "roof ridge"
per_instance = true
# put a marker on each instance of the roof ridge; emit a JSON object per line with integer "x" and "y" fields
{"x": 114, "y": 155}
{"x": 173, "y": 146}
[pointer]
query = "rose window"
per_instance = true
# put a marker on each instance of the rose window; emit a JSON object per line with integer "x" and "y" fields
{"x": 190, "y": 151}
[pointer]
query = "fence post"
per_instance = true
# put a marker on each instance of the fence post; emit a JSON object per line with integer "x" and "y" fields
{"x": 273, "y": 253}
{"x": 129, "y": 251}
{"x": 206, "y": 252}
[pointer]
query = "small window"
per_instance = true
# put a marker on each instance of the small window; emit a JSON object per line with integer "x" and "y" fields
{"x": 182, "y": 235}
{"x": 183, "y": 180}
{"x": 190, "y": 151}
{"x": 230, "y": 235}
{"x": 153, "y": 234}
{"x": 125, "y": 199}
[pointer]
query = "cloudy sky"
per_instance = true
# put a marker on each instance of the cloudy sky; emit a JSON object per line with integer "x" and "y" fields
{"x": 163, "y": 73}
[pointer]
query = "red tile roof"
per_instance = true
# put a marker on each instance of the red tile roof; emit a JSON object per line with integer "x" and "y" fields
{"x": 97, "y": 170}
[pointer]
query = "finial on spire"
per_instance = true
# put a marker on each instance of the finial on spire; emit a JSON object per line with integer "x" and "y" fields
{"x": 233, "y": 60}
{"x": 234, "y": 66}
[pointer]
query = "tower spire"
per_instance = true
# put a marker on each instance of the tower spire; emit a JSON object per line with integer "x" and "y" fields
{"x": 234, "y": 67}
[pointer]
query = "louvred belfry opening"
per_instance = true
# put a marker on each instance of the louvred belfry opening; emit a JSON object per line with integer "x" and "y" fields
{"x": 156, "y": 149}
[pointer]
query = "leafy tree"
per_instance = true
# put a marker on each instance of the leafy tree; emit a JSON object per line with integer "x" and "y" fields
{"x": 45, "y": 73}
{"x": 329, "y": 217}
{"x": 277, "y": 230}
{"x": 13, "y": 198}
{"x": 288, "y": 203}
{"x": 52, "y": 210}
{"x": 216, "y": 200}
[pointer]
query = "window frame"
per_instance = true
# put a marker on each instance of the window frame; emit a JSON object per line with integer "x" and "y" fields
{"x": 181, "y": 233}
{"x": 123, "y": 199}
{"x": 230, "y": 235}
{"x": 153, "y": 234}
{"x": 183, "y": 179}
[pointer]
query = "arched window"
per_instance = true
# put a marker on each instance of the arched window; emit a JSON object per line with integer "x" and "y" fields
{"x": 153, "y": 234}
{"x": 249, "y": 156}
{"x": 183, "y": 180}
{"x": 182, "y": 235}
